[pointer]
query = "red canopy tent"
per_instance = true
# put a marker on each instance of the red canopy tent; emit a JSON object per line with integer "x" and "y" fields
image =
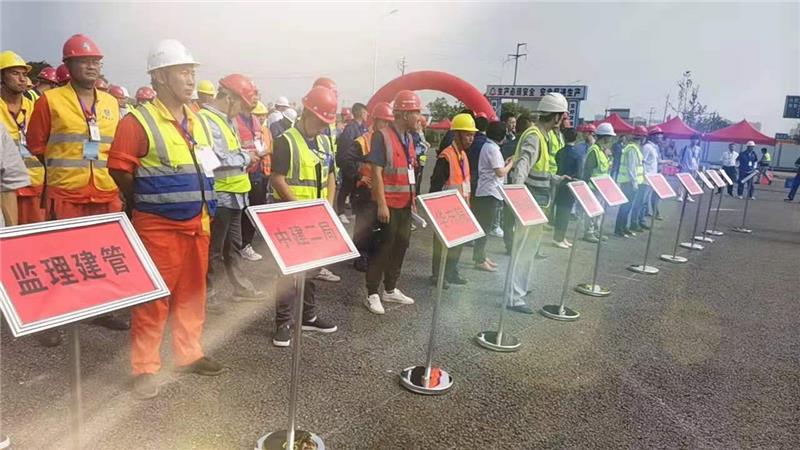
{"x": 441, "y": 125}
{"x": 740, "y": 133}
{"x": 618, "y": 123}
{"x": 676, "y": 128}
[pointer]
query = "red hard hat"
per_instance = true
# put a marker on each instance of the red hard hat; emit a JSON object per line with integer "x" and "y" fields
{"x": 587, "y": 128}
{"x": 145, "y": 93}
{"x": 383, "y": 111}
{"x": 101, "y": 84}
{"x": 117, "y": 92}
{"x": 322, "y": 102}
{"x": 656, "y": 130}
{"x": 241, "y": 86}
{"x": 48, "y": 74}
{"x": 640, "y": 131}
{"x": 407, "y": 101}
{"x": 62, "y": 74}
{"x": 80, "y": 45}
{"x": 482, "y": 114}
{"x": 328, "y": 83}
{"x": 347, "y": 112}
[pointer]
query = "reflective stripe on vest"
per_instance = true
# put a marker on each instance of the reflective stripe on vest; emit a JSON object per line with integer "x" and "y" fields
{"x": 363, "y": 167}
{"x": 226, "y": 178}
{"x": 539, "y": 175}
{"x": 69, "y": 131}
{"x": 459, "y": 170}
{"x": 396, "y": 188}
{"x": 627, "y": 153}
{"x": 556, "y": 144}
{"x": 302, "y": 175}
{"x": 603, "y": 164}
{"x": 35, "y": 168}
{"x": 169, "y": 181}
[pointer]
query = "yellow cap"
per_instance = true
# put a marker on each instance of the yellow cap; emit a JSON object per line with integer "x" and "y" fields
{"x": 463, "y": 122}
{"x": 9, "y": 59}
{"x": 260, "y": 109}
{"x": 206, "y": 87}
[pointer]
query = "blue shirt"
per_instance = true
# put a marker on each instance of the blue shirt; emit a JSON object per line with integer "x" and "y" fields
{"x": 348, "y": 137}
{"x": 474, "y": 154}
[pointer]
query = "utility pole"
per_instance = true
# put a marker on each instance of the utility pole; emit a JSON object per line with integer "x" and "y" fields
{"x": 650, "y": 115}
{"x": 516, "y": 56}
{"x": 666, "y": 105}
{"x": 401, "y": 65}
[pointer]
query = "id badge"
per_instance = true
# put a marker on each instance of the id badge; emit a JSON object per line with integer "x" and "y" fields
{"x": 91, "y": 150}
{"x": 94, "y": 132}
{"x": 412, "y": 180}
{"x": 208, "y": 159}
{"x": 23, "y": 141}
{"x": 465, "y": 188}
{"x": 260, "y": 148}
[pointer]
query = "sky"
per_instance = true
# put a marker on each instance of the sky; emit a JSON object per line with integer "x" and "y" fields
{"x": 744, "y": 56}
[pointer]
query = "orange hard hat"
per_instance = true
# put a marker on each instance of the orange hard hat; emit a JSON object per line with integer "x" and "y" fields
{"x": 328, "y": 83}
{"x": 407, "y": 101}
{"x": 117, "y": 92}
{"x": 101, "y": 84}
{"x": 62, "y": 74}
{"x": 383, "y": 111}
{"x": 640, "y": 131}
{"x": 80, "y": 45}
{"x": 241, "y": 86}
{"x": 48, "y": 74}
{"x": 322, "y": 102}
{"x": 145, "y": 93}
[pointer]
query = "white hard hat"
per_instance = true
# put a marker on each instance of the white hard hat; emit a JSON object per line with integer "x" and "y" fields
{"x": 605, "y": 129}
{"x": 282, "y": 101}
{"x": 273, "y": 117}
{"x": 553, "y": 102}
{"x": 169, "y": 52}
{"x": 125, "y": 91}
{"x": 290, "y": 114}
{"x": 750, "y": 144}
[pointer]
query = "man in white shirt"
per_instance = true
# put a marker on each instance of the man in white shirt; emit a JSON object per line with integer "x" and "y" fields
{"x": 728, "y": 164}
{"x": 651, "y": 159}
{"x": 690, "y": 161}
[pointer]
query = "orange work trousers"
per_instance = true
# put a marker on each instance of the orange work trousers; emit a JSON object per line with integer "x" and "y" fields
{"x": 182, "y": 260}
{"x": 65, "y": 209}
{"x": 30, "y": 209}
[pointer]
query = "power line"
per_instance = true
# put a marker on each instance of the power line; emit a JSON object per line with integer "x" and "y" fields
{"x": 516, "y": 56}
{"x": 401, "y": 65}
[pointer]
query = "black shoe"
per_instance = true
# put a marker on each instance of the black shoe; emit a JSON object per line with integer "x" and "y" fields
{"x": 282, "y": 336}
{"x": 317, "y": 324}
{"x": 360, "y": 264}
{"x": 621, "y": 234}
{"x": 49, "y": 338}
{"x": 635, "y": 229}
{"x": 630, "y": 234}
{"x": 458, "y": 279}
{"x": 204, "y": 366}
{"x": 523, "y": 308}
{"x": 111, "y": 322}
{"x": 249, "y": 296}
{"x": 540, "y": 256}
{"x": 145, "y": 386}
{"x": 787, "y": 199}
{"x": 434, "y": 280}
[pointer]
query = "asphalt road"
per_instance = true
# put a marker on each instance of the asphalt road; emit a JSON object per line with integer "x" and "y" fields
{"x": 702, "y": 355}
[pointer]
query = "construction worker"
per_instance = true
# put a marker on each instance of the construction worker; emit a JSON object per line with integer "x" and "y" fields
{"x": 631, "y": 181}
{"x": 256, "y": 140}
{"x": 532, "y": 167}
{"x": 285, "y": 120}
{"x": 355, "y": 128}
{"x": 282, "y": 104}
{"x": 557, "y": 143}
{"x": 16, "y": 111}
{"x": 746, "y": 161}
{"x": 392, "y": 161}
{"x": 236, "y": 94}
{"x": 330, "y": 84}
{"x": 145, "y": 94}
{"x": 354, "y": 166}
{"x": 205, "y": 92}
{"x": 121, "y": 94}
{"x": 596, "y": 164}
{"x": 46, "y": 80}
{"x": 62, "y": 75}
{"x": 452, "y": 172}
{"x": 764, "y": 164}
{"x": 169, "y": 194}
{"x": 15, "y": 177}
{"x": 72, "y": 128}
{"x": 303, "y": 169}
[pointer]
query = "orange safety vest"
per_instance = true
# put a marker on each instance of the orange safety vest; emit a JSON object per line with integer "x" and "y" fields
{"x": 249, "y": 135}
{"x": 399, "y": 193}
{"x": 363, "y": 168}
{"x": 459, "y": 171}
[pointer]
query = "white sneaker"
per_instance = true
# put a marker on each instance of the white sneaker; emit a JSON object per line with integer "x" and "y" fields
{"x": 326, "y": 275}
{"x": 249, "y": 254}
{"x": 373, "y": 304}
{"x": 560, "y": 244}
{"x": 569, "y": 244}
{"x": 690, "y": 199}
{"x": 343, "y": 218}
{"x": 397, "y": 297}
{"x": 498, "y": 232}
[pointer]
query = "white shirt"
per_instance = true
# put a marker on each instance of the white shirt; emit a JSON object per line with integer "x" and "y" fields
{"x": 729, "y": 158}
{"x": 650, "y": 155}
{"x": 489, "y": 184}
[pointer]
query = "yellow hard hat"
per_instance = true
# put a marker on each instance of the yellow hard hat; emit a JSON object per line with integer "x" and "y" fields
{"x": 463, "y": 122}
{"x": 206, "y": 87}
{"x": 260, "y": 109}
{"x": 9, "y": 59}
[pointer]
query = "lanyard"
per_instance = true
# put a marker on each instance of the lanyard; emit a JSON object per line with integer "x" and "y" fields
{"x": 405, "y": 144}
{"x": 92, "y": 117}
{"x": 20, "y": 125}
{"x": 185, "y": 130}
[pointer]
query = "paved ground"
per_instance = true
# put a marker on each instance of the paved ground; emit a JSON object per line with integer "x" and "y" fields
{"x": 702, "y": 355}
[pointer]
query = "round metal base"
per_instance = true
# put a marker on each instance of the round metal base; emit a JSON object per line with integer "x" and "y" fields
{"x": 742, "y": 230}
{"x": 556, "y": 312}
{"x": 692, "y": 246}
{"x": 715, "y": 233}
{"x": 488, "y": 339}
{"x": 673, "y": 259}
{"x": 302, "y": 440}
{"x": 412, "y": 379}
{"x": 592, "y": 290}
{"x": 703, "y": 239}
{"x": 5, "y": 442}
{"x": 648, "y": 270}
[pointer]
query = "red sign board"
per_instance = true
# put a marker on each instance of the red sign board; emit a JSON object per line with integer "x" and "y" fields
{"x": 524, "y": 206}
{"x": 451, "y": 217}
{"x": 705, "y": 180}
{"x": 716, "y": 178}
{"x": 591, "y": 206}
{"x": 302, "y": 235}
{"x": 660, "y": 185}
{"x": 59, "y": 272}
{"x": 725, "y": 177}
{"x": 690, "y": 184}
{"x": 610, "y": 190}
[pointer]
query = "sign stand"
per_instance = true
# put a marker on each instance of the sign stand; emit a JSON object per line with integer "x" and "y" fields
{"x": 526, "y": 213}
{"x": 301, "y": 236}
{"x": 712, "y": 188}
{"x": 454, "y": 225}
{"x": 76, "y": 409}
{"x": 5, "y": 440}
{"x": 743, "y": 228}
{"x": 722, "y": 182}
{"x": 690, "y": 184}
{"x": 674, "y": 258}
{"x": 561, "y": 312}
{"x": 644, "y": 268}
{"x": 663, "y": 189}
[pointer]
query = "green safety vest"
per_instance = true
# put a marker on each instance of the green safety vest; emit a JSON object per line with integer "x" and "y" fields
{"x": 603, "y": 164}
{"x": 556, "y": 144}
{"x": 540, "y": 172}
{"x": 627, "y": 153}
{"x": 302, "y": 174}
{"x": 232, "y": 179}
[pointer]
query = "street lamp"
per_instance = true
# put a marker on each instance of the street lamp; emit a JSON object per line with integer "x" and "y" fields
{"x": 375, "y": 46}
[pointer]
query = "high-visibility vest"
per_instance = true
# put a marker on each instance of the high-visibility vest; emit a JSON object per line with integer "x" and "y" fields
{"x": 251, "y": 132}
{"x": 539, "y": 175}
{"x": 302, "y": 175}
{"x": 16, "y": 128}
{"x": 603, "y": 164}
{"x": 627, "y": 153}
{"x": 332, "y": 128}
{"x": 67, "y": 168}
{"x": 170, "y": 181}
{"x": 459, "y": 170}
{"x": 32, "y": 94}
{"x": 556, "y": 144}
{"x": 363, "y": 168}
{"x": 232, "y": 179}
{"x": 399, "y": 193}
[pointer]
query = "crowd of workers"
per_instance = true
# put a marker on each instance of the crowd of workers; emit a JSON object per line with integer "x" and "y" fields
{"x": 188, "y": 158}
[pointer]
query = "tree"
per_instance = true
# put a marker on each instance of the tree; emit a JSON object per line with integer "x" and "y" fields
{"x": 516, "y": 109}
{"x": 441, "y": 109}
{"x": 36, "y": 67}
{"x": 694, "y": 113}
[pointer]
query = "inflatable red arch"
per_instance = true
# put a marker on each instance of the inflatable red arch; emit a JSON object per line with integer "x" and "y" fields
{"x": 436, "y": 81}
